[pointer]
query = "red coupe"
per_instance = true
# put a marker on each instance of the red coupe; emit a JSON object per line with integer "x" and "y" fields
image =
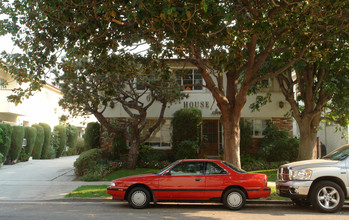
{"x": 192, "y": 181}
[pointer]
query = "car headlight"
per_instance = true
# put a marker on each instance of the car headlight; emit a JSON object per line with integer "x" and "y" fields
{"x": 300, "y": 174}
{"x": 113, "y": 184}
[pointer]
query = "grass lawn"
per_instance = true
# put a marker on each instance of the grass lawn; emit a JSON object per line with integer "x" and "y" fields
{"x": 89, "y": 191}
{"x": 271, "y": 174}
{"x": 100, "y": 191}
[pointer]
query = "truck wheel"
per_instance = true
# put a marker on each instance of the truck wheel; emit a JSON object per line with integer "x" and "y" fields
{"x": 327, "y": 196}
{"x": 234, "y": 199}
{"x": 138, "y": 198}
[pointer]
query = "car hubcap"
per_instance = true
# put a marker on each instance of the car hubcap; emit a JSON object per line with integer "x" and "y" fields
{"x": 234, "y": 199}
{"x": 139, "y": 198}
{"x": 328, "y": 197}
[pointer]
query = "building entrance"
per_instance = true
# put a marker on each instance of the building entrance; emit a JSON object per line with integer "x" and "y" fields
{"x": 210, "y": 134}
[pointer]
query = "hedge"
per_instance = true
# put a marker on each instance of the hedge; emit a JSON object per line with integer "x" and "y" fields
{"x": 45, "y": 154}
{"x": 16, "y": 143}
{"x": 30, "y": 135}
{"x": 5, "y": 139}
{"x": 39, "y": 141}
{"x": 186, "y": 126}
{"x": 59, "y": 139}
{"x": 72, "y": 136}
{"x": 92, "y": 135}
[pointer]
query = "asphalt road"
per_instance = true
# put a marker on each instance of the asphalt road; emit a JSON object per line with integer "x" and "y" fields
{"x": 121, "y": 211}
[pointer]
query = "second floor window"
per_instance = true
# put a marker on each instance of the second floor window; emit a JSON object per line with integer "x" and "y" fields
{"x": 190, "y": 79}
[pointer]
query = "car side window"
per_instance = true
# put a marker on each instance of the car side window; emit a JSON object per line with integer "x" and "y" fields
{"x": 188, "y": 168}
{"x": 213, "y": 168}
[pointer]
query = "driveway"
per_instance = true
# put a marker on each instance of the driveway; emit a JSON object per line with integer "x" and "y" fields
{"x": 40, "y": 179}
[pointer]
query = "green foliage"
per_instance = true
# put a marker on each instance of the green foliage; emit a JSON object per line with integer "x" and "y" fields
{"x": 72, "y": 136}
{"x": 186, "y": 126}
{"x": 92, "y": 135}
{"x": 245, "y": 136}
{"x": 2, "y": 159}
{"x": 5, "y": 139}
{"x": 277, "y": 145}
{"x": 187, "y": 150}
{"x": 59, "y": 141}
{"x": 46, "y": 151}
{"x": 23, "y": 156}
{"x": 39, "y": 141}
{"x": 30, "y": 135}
{"x": 16, "y": 143}
{"x": 87, "y": 160}
{"x": 80, "y": 145}
{"x": 147, "y": 154}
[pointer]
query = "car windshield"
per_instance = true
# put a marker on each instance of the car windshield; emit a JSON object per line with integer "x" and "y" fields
{"x": 233, "y": 167}
{"x": 338, "y": 154}
{"x": 163, "y": 170}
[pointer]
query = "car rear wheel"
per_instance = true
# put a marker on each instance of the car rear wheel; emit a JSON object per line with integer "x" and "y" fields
{"x": 327, "y": 196}
{"x": 234, "y": 199}
{"x": 139, "y": 198}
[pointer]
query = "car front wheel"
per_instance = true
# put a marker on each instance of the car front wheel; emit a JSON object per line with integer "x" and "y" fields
{"x": 327, "y": 196}
{"x": 234, "y": 199}
{"x": 139, "y": 198}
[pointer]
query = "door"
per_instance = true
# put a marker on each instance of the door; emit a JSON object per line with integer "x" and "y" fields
{"x": 185, "y": 181}
{"x": 210, "y": 135}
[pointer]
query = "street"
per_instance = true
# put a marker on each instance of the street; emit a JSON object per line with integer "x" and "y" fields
{"x": 118, "y": 210}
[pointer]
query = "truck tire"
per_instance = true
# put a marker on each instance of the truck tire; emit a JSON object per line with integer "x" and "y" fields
{"x": 327, "y": 196}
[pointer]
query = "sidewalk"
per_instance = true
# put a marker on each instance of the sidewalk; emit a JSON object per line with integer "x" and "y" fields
{"x": 40, "y": 179}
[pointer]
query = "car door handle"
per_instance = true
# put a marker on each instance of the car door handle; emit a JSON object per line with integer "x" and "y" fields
{"x": 197, "y": 179}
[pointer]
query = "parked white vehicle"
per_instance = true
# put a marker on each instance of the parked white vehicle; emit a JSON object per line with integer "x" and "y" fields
{"x": 323, "y": 183}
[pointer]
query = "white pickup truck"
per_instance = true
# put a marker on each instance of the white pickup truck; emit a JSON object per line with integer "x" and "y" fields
{"x": 323, "y": 183}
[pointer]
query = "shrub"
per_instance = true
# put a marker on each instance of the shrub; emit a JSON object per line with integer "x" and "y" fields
{"x": 245, "y": 136}
{"x": 23, "y": 156}
{"x": 92, "y": 135}
{"x": 16, "y": 143}
{"x": 114, "y": 145}
{"x": 5, "y": 139}
{"x": 277, "y": 145}
{"x": 80, "y": 145}
{"x": 186, "y": 126}
{"x": 87, "y": 160}
{"x": 30, "y": 136}
{"x": 59, "y": 140}
{"x": 187, "y": 150}
{"x": 46, "y": 152}
{"x": 2, "y": 158}
{"x": 147, "y": 153}
{"x": 72, "y": 136}
{"x": 39, "y": 141}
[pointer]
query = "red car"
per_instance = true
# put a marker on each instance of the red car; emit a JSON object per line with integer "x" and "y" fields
{"x": 194, "y": 181}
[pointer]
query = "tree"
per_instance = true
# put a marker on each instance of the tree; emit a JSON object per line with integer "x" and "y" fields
{"x": 322, "y": 88}
{"x": 133, "y": 82}
{"x": 228, "y": 41}
{"x": 90, "y": 58}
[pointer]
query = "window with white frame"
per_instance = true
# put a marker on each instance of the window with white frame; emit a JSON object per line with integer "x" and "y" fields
{"x": 189, "y": 78}
{"x": 258, "y": 127}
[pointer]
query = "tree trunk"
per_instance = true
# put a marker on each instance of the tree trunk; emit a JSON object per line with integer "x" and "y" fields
{"x": 231, "y": 129}
{"x": 133, "y": 155}
{"x": 307, "y": 141}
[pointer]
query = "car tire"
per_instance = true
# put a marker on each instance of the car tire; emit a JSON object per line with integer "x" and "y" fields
{"x": 139, "y": 198}
{"x": 234, "y": 199}
{"x": 327, "y": 196}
